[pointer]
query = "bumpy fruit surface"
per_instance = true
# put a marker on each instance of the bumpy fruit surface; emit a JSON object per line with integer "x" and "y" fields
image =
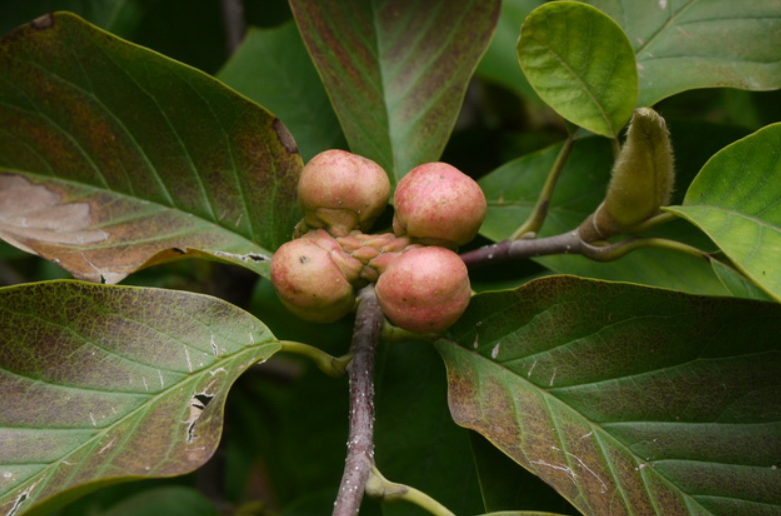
{"x": 437, "y": 204}
{"x": 310, "y": 283}
{"x": 424, "y": 289}
{"x": 340, "y": 191}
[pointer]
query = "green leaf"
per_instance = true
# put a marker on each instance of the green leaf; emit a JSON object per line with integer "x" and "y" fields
{"x": 141, "y": 154}
{"x": 737, "y": 284}
{"x": 103, "y": 384}
{"x": 735, "y": 200}
{"x": 273, "y": 68}
{"x": 396, "y": 72}
{"x": 500, "y": 62}
{"x": 512, "y": 192}
{"x": 626, "y": 399}
{"x": 687, "y": 44}
{"x": 581, "y": 63}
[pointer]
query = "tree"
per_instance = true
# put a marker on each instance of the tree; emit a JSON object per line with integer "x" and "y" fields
{"x": 625, "y": 352}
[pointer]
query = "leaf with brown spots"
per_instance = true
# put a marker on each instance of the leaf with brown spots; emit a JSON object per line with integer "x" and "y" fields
{"x": 627, "y": 400}
{"x": 113, "y": 157}
{"x": 396, "y": 71}
{"x": 102, "y": 384}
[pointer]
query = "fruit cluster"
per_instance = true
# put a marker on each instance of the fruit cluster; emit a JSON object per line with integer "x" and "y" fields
{"x": 421, "y": 283}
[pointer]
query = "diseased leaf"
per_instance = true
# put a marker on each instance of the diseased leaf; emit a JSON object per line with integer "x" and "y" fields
{"x": 396, "y": 71}
{"x": 687, "y": 44}
{"x": 138, "y": 154}
{"x": 273, "y": 68}
{"x": 733, "y": 201}
{"x": 512, "y": 192}
{"x": 103, "y": 384}
{"x": 580, "y": 63}
{"x": 628, "y": 400}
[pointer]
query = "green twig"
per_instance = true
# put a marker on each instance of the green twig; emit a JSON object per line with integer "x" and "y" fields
{"x": 620, "y": 249}
{"x": 656, "y": 220}
{"x": 330, "y": 365}
{"x": 392, "y": 333}
{"x": 533, "y": 224}
{"x": 380, "y": 488}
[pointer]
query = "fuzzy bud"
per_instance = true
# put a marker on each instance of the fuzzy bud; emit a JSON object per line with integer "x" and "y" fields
{"x": 641, "y": 182}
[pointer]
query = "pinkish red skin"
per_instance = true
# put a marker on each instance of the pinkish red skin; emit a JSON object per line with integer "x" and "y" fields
{"x": 309, "y": 282}
{"x": 437, "y": 204}
{"x": 424, "y": 290}
{"x": 340, "y": 191}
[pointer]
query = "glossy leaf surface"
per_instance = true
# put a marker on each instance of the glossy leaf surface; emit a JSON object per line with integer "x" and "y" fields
{"x": 627, "y": 400}
{"x": 103, "y": 383}
{"x": 733, "y": 201}
{"x": 687, "y": 44}
{"x": 144, "y": 154}
{"x": 580, "y": 63}
{"x": 273, "y": 68}
{"x": 396, "y": 71}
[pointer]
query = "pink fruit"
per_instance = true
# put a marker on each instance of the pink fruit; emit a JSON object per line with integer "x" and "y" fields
{"x": 424, "y": 290}
{"x": 310, "y": 283}
{"x": 437, "y": 204}
{"x": 340, "y": 191}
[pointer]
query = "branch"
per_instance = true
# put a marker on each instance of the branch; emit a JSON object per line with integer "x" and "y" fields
{"x": 330, "y": 365}
{"x": 233, "y": 24}
{"x": 566, "y": 243}
{"x": 360, "y": 445}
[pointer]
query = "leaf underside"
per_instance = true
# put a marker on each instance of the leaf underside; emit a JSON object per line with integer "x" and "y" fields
{"x": 627, "y": 400}
{"x": 396, "y": 72}
{"x": 139, "y": 153}
{"x": 103, "y": 383}
{"x": 733, "y": 201}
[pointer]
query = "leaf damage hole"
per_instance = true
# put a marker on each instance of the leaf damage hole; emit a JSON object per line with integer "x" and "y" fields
{"x": 198, "y": 404}
{"x": 20, "y": 500}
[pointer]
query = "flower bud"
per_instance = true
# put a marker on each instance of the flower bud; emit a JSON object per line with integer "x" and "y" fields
{"x": 641, "y": 181}
{"x": 340, "y": 191}
{"x": 425, "y": 289}
{"x": 310, "y": 283}
{"x": 437, "y": 204}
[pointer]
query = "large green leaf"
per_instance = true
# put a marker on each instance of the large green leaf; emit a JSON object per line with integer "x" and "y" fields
{"x": 500, "y": 62}
{"x": 396, "y": 71}
{"x": 580, "y": 62}
{"x": 512, "y": 191}
{"x": 736, "y": 200}
{"x": 628, "y": 400}
{"x": 103, "y": 383}
{"x": 273, "y": 68}
{"x": 687, "y": 44}
{"x": 140, "y": 154}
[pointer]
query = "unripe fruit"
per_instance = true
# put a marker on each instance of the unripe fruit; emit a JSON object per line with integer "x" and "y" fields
{"x": 424, "y": 289}
{"x": 309, "y": 282}
{"x": 437, "y": 204}
{"x": 340, "y": 191}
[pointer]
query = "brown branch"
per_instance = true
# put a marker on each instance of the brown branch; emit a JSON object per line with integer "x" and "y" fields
{"x": 360, "y": 444}
{"x": 233, "y": 24}
{"x": 566, "y": 243}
